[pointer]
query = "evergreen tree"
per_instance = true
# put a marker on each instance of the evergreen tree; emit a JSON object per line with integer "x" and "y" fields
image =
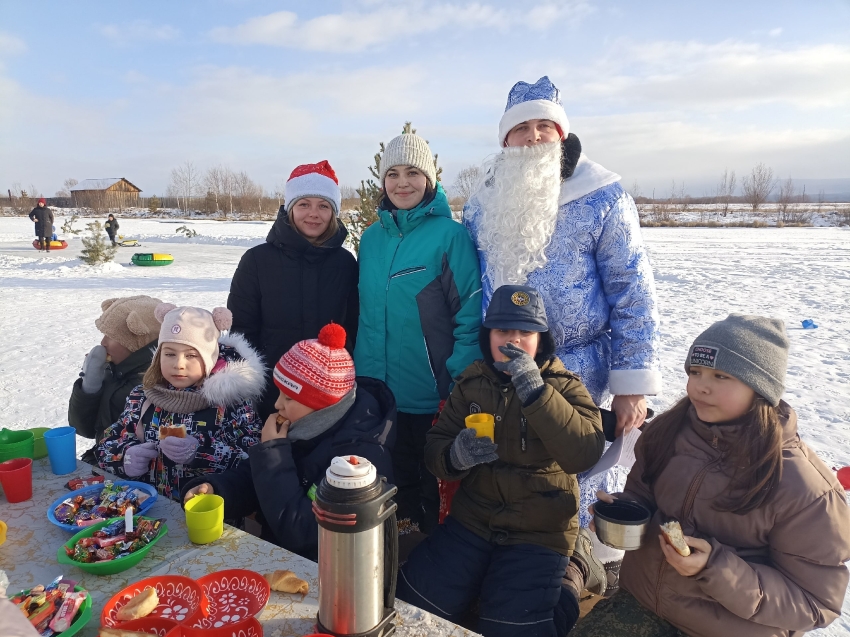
{"x": 371, "y": 193}
{"x": 154, "y": 204}
{"x": 96, "y": 249}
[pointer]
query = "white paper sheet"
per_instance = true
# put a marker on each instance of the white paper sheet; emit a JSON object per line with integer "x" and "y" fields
{"x": 621, "y": 452}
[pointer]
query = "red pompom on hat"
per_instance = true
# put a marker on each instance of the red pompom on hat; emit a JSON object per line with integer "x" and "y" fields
{"x": 317, "y": 372}
{"x": 313, "y": 180}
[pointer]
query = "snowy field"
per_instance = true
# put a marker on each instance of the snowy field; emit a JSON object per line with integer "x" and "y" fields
{"x": 49, "y": 303}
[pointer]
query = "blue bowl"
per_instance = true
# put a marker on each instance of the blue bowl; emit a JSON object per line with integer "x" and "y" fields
{"x": 97, "y": 488}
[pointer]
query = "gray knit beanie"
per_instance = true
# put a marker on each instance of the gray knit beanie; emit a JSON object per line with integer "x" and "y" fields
{"x": 753, "y": 349}
{"x": 409, "y": 149}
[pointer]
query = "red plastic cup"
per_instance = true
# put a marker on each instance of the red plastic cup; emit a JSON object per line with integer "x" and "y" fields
{"x": 16, "y": 478}
{"x": 844, "y": 477}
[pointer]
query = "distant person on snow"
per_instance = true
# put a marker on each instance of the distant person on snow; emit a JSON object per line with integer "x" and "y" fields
{"x": 112, "y": 369}
{"x": 43, "y": 218}
{"x": 111, "y": 227}
{"x": 302, "y": 278}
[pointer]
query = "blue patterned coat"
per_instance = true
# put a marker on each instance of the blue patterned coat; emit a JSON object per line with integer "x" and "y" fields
{"x": 599, "y": 293}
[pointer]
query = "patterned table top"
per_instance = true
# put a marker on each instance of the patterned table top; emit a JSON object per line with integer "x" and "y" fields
{"x": 29, "y": 558}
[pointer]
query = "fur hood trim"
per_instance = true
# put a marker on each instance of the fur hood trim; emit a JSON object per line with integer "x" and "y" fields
{"x": 242, "y": 378}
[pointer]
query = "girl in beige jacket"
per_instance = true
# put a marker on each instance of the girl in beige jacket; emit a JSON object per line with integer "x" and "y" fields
{"x": 766, "y": 521}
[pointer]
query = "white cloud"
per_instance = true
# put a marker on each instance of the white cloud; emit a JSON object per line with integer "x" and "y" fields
{"x": 356, "y": 31}
{"x": 775, "y": 33}
{"x": 716, "y": 76}
{"x": 11, "y": 45}
{"x": 138, "y": 30}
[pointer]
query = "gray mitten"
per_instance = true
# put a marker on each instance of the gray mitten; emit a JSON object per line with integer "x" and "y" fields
{"x": 525, "y": 375}
{"x": 137, "y": 458}
{"x": 94, "y": 369}
{"x": 467, "y": 450}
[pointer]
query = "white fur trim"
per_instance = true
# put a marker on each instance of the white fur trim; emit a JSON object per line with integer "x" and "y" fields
{"x": 239, "y": 380}
{"x": 634, "y": 382}
{"x": 587, "y": 177}
{"x": 533, "y": 109}
{"x": 312, "y": 185}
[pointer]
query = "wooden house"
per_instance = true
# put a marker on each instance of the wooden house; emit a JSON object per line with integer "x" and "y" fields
{"x": 115, "y": 193}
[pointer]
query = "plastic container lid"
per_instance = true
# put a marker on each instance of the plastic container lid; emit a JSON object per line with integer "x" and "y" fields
{"x": 351, "y": 472}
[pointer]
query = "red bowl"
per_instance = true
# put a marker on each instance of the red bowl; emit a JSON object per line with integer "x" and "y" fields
{"x": 154, "y": 626}
{"x": 232, "y": 596}
{"x": 179, "y": 600}
{"x": 248, "y": 628}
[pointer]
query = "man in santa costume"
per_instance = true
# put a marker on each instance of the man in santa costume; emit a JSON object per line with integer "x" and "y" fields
{"x": 547, "y": 216}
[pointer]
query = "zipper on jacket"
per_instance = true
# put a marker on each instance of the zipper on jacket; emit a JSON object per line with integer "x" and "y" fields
{"x": 412, "y": 270}
{"x": 523, "y": 434}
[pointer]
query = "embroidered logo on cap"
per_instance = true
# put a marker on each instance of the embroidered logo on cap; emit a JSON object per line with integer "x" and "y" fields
{"x": 175, "y": 329}
{"x": 703, "y": 356}
{"x": 520, "y": 298}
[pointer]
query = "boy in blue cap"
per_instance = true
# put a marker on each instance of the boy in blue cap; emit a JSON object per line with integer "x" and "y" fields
{"x": 514, "y": 519}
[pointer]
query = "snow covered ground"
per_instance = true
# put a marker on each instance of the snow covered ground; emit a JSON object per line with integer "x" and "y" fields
{"x": 49, "y": 303}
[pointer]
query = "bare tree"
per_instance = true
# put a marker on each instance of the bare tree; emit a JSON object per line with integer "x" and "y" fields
{"x": 214, "y": 182}
{"x": 725, "y": 191}
{"x": 758, "y": 185}
{"x": 184, "y": 184}
{"x": 786, "y": 199}
{"x": 66, "y": 188}
{"x": 246, "y": 192}
{"x": 466, "y": 182}
{"x": 635, "y": 190}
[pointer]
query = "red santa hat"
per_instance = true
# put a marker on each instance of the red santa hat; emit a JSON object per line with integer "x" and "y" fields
{"x": 313, "y": 180}
{"x": 317, "y": 372}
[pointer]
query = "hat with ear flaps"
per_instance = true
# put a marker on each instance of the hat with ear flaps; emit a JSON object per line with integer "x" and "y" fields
{"x": 129, "y": 320}
{"x": 195, "y": 327}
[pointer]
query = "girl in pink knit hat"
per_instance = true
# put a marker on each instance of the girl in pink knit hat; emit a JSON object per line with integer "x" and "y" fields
{"x": 193, "y": 414}
{"x": 323, "y": 411}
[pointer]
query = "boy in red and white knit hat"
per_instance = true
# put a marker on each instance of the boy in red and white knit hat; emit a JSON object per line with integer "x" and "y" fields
{"x": 321, "y": 413}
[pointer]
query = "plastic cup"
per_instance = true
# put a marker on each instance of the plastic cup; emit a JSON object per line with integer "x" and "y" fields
{"x": 844, "y": 477}
{"x": 39, "y": 449}
{"x": 61, "y": 449}
{"x": 205, "y": 518}
{"x": 15, "y": 444}
{"x": 16, "y": 478}
{"x": 3, "y": 529}
{"x": 483, "y": 424}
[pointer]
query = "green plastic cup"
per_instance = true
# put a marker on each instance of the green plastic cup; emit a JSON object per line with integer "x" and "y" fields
{"x": 39, "y": 448}
{"x": 205, "y": 518}
{"x": 16, "y": 444}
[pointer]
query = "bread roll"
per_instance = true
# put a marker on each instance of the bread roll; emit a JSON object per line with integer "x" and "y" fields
{"x": 117, "y": 632}
{"x": 139, "y": 606}
{"x": 287, "y": 582}
{"x": 178, "y": 432}
{"x": 672, "y": 531}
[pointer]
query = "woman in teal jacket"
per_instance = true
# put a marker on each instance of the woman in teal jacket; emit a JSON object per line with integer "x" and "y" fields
{"x": 420, "y": 310}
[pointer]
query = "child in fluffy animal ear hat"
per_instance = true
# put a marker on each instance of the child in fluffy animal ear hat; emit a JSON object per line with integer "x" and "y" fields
{"x": 323, "y": 411}
{"x": 193, "y": 414}
{"x": 766, "y": 522}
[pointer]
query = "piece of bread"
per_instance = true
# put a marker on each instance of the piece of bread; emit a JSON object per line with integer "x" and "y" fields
{"x": 178, "y": 432}
{"x": 672, "y": 532}
{"x": 117, "y": 632}
{"x": 139, "y": 606}
{"x": 287, "y": 582}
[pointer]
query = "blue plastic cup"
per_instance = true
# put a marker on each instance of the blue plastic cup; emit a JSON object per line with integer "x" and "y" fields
{"x": 61, "y": 449}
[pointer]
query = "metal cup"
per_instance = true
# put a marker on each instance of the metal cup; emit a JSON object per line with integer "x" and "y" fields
{"x": 621, "y": 524}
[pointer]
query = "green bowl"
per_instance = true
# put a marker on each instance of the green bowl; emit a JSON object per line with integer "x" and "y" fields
{"x": 82, "y": 617}
{"x": 15, "y": 444}
{"x": 112, "y": 566}
{"x": 39, "y": 449}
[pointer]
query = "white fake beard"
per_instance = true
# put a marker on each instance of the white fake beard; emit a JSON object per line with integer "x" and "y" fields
{"x": 519, "y": 211}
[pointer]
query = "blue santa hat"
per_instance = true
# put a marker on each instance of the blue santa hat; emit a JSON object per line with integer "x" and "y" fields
{"x": 541, "y": 100}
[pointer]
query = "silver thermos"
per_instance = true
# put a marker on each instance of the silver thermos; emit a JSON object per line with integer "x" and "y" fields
{"x": 358, "y": 550}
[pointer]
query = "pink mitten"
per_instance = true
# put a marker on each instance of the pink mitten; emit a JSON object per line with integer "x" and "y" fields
{"x": 137, "y": 458}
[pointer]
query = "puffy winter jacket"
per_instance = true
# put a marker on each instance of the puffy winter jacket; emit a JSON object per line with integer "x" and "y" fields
{"x": 225, "y": 427}
{"x": 43, "y": 218}
{"x": 92, "y": 414}
{"x": 420, "y": 278}
{"x": 597, "y": 287}
{"x": 286, "y": 290}
{"x": 278, "y": 478}
{"x": 530, "y": 494}
{"x": 111, "y": 227}
{"x": 775, "y": 571}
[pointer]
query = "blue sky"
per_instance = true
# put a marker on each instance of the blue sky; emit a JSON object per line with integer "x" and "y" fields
{"x": 656, "y": 91}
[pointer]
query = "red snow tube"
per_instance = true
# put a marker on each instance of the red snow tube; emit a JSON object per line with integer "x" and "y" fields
{"x": 54, "y": 245}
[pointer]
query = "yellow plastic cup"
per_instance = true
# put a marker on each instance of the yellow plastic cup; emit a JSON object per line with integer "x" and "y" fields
{"x": 39, "y": 447}
{"x": 205, "y": 518}
{"x": 483, "y": 424}
{"x": 3, "y": 528}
